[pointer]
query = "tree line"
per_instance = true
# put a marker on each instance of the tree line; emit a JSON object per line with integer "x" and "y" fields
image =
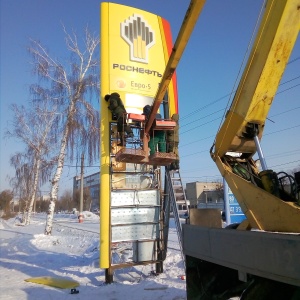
{"x": 11, "y": 207}
{"x": 61, "y": 120}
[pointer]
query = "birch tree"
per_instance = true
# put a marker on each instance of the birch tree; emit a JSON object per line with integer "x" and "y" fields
{"x": 72, "y": 86}
{"x": 6, "y": 197}
{"x": 33, "y": 128}
{"x": 22, "y": 181}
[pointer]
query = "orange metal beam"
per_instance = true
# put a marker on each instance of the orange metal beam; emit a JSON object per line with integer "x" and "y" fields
{"x": 185, "y": 32}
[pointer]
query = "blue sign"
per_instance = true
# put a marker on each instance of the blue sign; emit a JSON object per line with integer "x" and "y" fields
{"x": 236, "y": 213}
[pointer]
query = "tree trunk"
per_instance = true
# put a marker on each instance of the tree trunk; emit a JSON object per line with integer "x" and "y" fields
{"x": 59, "y": 169}
{"x": 25, "y": 210}
{"x": 55, "y": 183}
{"x": 35, "y": 185}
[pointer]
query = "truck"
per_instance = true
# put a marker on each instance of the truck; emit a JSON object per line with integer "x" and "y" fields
{"x": 259, "y": 257}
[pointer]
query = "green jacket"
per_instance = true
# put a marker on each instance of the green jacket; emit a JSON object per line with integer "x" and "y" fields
{"x": 116, "y": 105}
{"x": 173, "y": 135}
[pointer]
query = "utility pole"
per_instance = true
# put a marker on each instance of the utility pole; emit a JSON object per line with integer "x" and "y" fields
{"x": 81, "y": 191}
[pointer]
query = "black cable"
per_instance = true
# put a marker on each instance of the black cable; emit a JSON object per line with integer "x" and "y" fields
{"x": 202, "y": 124}
{"x": 205, "y": 106}
{"x": 222, "y": 109}
{"x": 268, "y": 119}
{"x": 281, "y": 130}
{"x": 219, "y": 99}
{"x": 286, "y": 163}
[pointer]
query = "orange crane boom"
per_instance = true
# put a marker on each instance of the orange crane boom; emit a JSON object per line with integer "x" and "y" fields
{"x": 185, "y": 32}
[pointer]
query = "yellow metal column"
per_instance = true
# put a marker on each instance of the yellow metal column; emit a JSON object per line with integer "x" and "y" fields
{"x": 104, "y": 146}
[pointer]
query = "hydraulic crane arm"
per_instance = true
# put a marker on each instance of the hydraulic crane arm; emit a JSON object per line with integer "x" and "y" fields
{"x": 270, "y": 53}
{"x": 260, "y": 193}
{"x": 187, "y": 27}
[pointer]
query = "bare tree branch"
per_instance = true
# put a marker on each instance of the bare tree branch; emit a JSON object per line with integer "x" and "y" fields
{"x": 68, "y": 89}
{"x": 32, "y": 127}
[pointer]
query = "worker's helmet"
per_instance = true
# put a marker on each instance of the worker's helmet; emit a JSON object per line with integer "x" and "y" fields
{"x": 175, "y": 117}
{"x": 147, "y": 109}
{"x": 115, "y": 95}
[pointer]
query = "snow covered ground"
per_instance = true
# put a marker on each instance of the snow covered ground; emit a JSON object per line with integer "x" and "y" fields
{"x": 72, "y": 252}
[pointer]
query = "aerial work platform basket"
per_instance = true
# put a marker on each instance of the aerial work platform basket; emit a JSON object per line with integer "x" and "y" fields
{"x": 131, "y": 155}
{"x": 139, "y": 155}
{"x": 161, "y": 158}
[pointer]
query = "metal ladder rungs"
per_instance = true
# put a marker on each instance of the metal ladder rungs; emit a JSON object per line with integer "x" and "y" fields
{"x": 176, "y": 194}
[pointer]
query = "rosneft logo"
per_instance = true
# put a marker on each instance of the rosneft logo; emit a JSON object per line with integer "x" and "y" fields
{"x": 140, "y": 37}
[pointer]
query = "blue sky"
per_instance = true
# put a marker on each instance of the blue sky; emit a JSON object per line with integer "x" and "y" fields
{"x": 206, "y": 75}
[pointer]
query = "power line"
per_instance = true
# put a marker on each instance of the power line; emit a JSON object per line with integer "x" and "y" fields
{"x": 221, "y": 117}
{"x": 289, "y": 80}
{"x": 229, "y": 94}
{"x": 264, "y": 135}
{"x": 205, "y": 106}
{"x": 287, "y": 153}
{"x": 281, "y": 130}
{"x": 292, "y": 109}
{"x": 202, "y": 125}
{"x": 292, "y": 61}
{"x": 288, "y": 89}
{"x": 211, "y": 136}
{"x": 207, "y": 151}
{"x": 287, "y": 163}
{"x": 222, "y": 109}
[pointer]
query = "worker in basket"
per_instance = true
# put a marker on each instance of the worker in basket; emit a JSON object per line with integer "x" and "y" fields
{"x": 116, "y": 106}
{"x": 157, "y": 137}
{"x": 173, "y": 142}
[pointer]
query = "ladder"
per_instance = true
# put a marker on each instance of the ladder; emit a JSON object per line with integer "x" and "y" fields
{"x": 178, "y": 188}
{"x": 176, "y": 196}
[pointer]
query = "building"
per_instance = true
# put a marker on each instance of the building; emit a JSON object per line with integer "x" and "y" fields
{"x": 205, "y": 194}
{"x": 93, "y": 183}
{"x": 45, "y": 197}
{"x": 198, "y": 194}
